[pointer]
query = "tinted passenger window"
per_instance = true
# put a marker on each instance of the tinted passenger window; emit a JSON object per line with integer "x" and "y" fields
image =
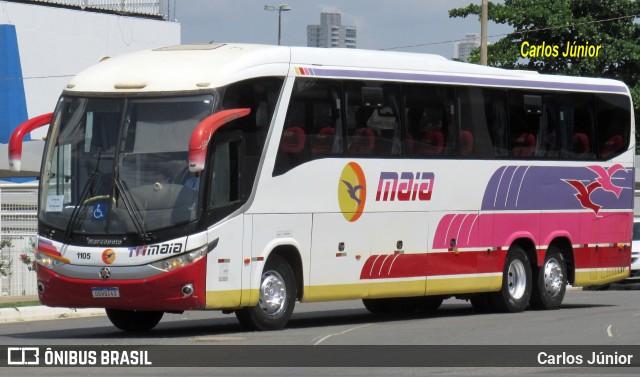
{"x": 373, "y": 119}
{"x": 576, "y": 126}
{"x": 261, "y": 96}
{"x": 483, "y": 122}
{"x": 313, "y": 126}
{"x": 430, "y": 120}
{"x": 614, "y": 118}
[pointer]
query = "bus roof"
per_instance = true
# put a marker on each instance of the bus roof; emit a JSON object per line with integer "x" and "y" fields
{"x": 198, "y": 67}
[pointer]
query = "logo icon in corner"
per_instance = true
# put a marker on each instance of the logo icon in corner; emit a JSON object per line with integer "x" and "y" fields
{"x": 108, "y": 256}
{"x": 352, "y": 192}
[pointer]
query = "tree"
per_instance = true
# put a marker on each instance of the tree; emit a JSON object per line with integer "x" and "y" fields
{"x": 5, "y": 265}
{"x": 607, "y": 23}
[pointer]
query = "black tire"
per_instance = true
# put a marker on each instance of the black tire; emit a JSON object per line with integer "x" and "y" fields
{"x": 272, "y": 312}
{"x": 377, "y": 306}
{"x": 134, "y": 321}
{"x": 550, "y": 282}
{"x": 514, "y": 295}
{"x": 481, "y": 303}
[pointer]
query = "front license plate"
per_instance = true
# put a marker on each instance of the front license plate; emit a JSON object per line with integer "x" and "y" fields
{"x": 105, "y": 292}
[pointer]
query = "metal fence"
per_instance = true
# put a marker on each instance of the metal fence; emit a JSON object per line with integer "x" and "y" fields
{"x": 141, "y": 7}
{"x": 18, "y": 228}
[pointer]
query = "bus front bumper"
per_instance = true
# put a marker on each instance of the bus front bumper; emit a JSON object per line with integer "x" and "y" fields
{"x": 177, "y": 290}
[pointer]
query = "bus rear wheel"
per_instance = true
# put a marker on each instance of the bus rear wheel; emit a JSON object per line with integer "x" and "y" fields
{"x": 134, "y": 321}
{"x": 514, "y": 295}
{"x": 550, "y": 281}
{"x": 276, "y": 301}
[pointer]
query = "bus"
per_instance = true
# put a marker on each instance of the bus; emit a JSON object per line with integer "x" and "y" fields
{"x": 246, "y": 178}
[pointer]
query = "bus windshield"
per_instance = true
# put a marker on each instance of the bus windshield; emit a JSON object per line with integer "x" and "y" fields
{"x": 119, "y": 166}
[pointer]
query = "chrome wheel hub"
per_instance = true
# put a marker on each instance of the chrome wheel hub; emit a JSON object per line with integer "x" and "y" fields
{"x": 516, "y": 279}
{"x": 553, "y": 277}
{"x": 273, "y": 293}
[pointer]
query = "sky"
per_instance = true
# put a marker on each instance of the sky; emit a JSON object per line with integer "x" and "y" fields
{"x": 381, "y": 24}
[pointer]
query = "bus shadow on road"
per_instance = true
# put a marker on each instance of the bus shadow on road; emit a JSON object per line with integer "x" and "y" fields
{"x": 362, "y": 316}
{"x": 194, "y": 328}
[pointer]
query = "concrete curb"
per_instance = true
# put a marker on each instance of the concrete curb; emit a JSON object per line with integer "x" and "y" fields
{"x": 43, "y": 313}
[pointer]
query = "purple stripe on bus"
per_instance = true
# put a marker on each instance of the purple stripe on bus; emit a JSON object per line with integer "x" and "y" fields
{"x": 448, "y": 79}
{"x": 543, "y": 188}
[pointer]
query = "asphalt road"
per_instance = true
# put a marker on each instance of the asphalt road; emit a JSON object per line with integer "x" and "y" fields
{"x": 599, "y": 318}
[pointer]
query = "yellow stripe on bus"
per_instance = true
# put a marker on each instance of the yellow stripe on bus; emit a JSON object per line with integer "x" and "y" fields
{"x": 599, "y": 276}
{"x": 231, "y": 299}
{"x": 470, "y": 284}
{"x": 440, "y": 286}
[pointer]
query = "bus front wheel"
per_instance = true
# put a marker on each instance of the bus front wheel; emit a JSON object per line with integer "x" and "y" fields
{"x": 514, "y": 295}
{"x": 276, "y": 300}
{"x": 550, "y": 281}
{"x": 134, "y": 321}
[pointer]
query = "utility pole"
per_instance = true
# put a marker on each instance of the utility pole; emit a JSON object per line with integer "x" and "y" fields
{"x": 483, "y": 32}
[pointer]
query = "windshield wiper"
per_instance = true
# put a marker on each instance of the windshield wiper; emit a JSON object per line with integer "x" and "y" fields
{"x": 132, "y": 209}
{"x": 74, "y": 219}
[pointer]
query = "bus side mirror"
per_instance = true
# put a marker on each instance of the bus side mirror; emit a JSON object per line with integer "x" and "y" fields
{"x": 15, "y": 142}
{"x": 203, "y": 132}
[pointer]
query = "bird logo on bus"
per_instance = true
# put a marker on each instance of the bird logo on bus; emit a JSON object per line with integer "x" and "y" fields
{"x": 603, "y": 181}
{"x": 352, "y": 191}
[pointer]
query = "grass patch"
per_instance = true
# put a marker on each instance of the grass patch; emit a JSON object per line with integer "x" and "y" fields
{"x": 18, "y": 304}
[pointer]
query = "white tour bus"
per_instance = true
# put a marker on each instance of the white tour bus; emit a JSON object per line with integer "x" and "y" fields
{"x": 244, "y": 178}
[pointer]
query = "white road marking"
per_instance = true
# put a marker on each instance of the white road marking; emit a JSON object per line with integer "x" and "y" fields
{"x": 609, "y": 331}
{"x": 340, "y": 333}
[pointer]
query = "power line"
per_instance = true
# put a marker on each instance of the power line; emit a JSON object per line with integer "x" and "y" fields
{"x": 513, "y": 32}
{"x": 35, "y": 77}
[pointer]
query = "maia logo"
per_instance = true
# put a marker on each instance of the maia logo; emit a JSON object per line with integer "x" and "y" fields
{"x": 352, "y": 191}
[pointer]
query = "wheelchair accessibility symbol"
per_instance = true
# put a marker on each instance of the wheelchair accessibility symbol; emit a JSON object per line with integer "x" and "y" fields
{"x": 99, "y": 211}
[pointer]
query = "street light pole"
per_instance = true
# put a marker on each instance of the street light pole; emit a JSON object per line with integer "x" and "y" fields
{"x": 281, "y": 8}
{"x": 279, "y": 26}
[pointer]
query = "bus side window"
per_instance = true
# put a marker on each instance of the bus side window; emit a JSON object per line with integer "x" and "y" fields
{"x": 261, "y": 96}
{"x": 614, "y": 116}
{"x": 373, "y": 119}
{"x": 225, "y": 177}
{"x": 483, "y": 122}
{"x": 430, "y": 113}
{"x": 525, "y": 113}
{"x": 313, "y": 125}
{"x": 576, "y": 126}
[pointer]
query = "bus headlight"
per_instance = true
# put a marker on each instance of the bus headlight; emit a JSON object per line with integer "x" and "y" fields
{"x": 49, "y": 261}
{"x": 179, "y": 261}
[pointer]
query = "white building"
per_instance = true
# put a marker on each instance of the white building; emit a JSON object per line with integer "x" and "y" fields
{"x": 331, "y": 32}
{"x": 43, "y": 44}
{"x": 462, "y": 50}
{"x": 46, "y": 42}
